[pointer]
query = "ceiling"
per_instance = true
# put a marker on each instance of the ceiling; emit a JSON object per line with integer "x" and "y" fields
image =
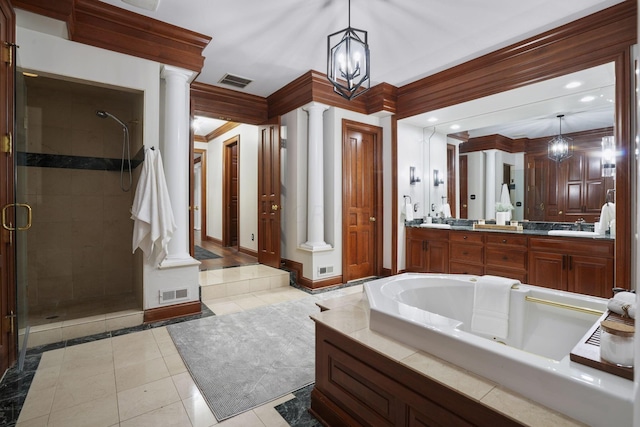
{"x": 273, "y": 43}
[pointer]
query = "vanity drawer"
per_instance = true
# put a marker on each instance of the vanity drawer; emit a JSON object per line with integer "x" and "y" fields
{"x": 465, "y": 268}
{"x": 503, "y": 257}
{"x": 463, "y": 252}
{"x": 506, "y": 239}
{"x": 466, "y": 236}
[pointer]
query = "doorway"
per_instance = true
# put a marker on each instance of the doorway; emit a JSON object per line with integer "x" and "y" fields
{"x": 361, "y": 200}
{"x": 231, "y": 188}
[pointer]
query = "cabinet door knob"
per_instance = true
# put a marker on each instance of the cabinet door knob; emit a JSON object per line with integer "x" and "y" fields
{"x": 504, "y": 240}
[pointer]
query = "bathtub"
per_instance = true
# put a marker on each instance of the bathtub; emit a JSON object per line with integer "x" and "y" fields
{"x": 432, "y": 312}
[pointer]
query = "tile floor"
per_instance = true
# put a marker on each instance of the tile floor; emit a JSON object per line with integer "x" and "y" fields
{"x": 139, "y": 379}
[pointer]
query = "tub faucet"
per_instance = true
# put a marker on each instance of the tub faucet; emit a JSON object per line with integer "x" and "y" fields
{"x": 579, "y": 224}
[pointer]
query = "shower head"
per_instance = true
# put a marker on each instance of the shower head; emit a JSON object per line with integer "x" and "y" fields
{"x": 104, "y": 114}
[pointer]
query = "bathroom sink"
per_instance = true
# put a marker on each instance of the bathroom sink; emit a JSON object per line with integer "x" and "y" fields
{"x": 426, "y": 225}
{"x": 574, "y": 233}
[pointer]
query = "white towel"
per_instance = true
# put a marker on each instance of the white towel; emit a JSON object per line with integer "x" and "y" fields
{"x": 505, "y": 197}
{"x": 623, "y": 303}
{"x": 152, "y": 215}
{"x": 445, "y": 209}
{"x": 408, "y": 210}
{"x": 491, "y": 305}
{"x": 607, "y": 214}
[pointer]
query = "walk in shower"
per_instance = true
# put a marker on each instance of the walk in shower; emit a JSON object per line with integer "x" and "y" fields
{"x": 72, "y": 169}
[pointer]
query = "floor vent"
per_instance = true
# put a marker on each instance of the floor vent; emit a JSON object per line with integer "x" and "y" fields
{"x": 235, "y": 81}
{"x": 173, "y": 295}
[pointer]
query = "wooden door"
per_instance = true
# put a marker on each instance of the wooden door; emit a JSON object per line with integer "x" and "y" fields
{"x": 362, "y": 216}
{"x": 464, "y": 194}
{"x": 591, "y": 275}
{"x": 548, "y": 269}
{"x": 202, "y": 209}
{"x": 536, "y": 189}
{"x": 269, "y": 195}
{"x": 230, "y": 229}
{"x": 437, "y": 256}
{"x": 8, "y": 325}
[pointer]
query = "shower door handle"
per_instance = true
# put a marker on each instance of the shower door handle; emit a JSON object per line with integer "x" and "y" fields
{"x": 19, "y": 205}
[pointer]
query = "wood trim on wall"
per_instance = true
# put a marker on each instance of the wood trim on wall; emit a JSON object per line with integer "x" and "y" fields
{"x": 172, "y": 311}
{"x": 493, "y": 142}
{"x": 297, "y": 267}
{"x": 227, "y": 104}
{"x": 248, "y": 251}
{"x": 587, "y": 42}
{"x": 109, "y": 27}
{"x": 203, "y": 192}
{"x": 227, "y": 127}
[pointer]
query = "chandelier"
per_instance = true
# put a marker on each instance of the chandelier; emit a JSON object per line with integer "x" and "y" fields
{"x": 348, "y": 61}
{"x": 560, "y": 148}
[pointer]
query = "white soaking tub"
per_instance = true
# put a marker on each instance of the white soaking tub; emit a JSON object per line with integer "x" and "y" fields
{"x": 432, "y": 312}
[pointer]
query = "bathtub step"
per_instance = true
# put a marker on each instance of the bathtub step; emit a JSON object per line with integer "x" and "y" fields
{"x": 234, "y": 281}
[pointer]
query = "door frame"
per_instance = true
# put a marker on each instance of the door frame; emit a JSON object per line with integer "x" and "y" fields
{"x": 452, "y": 179}
{"x": 226, "y": 194}
{"x": 203, "y": 192}
{"x": 349, "y": 125}
{"x": 269, "y": 209}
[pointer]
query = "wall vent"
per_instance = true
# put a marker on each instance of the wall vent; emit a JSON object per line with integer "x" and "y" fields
{"x": 325, "y": 270}
{"x": 173, "y": 295}
{"x": 235, "y": 81}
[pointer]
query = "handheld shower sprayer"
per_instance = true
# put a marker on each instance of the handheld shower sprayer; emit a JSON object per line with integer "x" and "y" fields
{"x": 126, "y": 149}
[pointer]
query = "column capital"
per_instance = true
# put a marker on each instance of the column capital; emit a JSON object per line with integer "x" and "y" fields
{"x": 172, "y": 71}
{"x": 315, "y": 106}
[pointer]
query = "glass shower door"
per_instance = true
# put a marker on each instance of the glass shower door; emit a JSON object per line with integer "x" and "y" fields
{"x": 22, "y": 215}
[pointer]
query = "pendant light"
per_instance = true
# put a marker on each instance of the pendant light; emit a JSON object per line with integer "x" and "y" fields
{"x": 348, "y": 61}
{"x": 559, "y": 148}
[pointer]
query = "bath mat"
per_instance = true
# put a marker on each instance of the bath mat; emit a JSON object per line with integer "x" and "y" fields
{"x": 242, "y": 360}
{"x": 200, "y": 253}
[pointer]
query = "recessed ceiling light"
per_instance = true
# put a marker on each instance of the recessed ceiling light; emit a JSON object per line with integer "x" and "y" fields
{"x": 587, "y": 98}
{"x": 573, "y": 85}
{"x": 433, "y": 119}
{"x": 455, "y": 127}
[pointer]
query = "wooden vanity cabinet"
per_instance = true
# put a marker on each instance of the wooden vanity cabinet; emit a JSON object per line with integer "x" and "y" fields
{"x": 584, "y": 266}
{"x": 506, "y": 256}
{"x": 466, "y": 252}
{"x": 427, "y": 250}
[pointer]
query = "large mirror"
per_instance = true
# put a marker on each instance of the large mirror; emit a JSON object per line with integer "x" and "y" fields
{"x": 513, "y": 125}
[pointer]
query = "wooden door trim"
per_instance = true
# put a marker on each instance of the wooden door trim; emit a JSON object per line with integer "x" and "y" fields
{"x": 451, "y": 178}
{"x": 274, "y": 258}
{"x": 348, "y": 125}
{"x": 203, "y": 192}
{"x": 226, "y": 196}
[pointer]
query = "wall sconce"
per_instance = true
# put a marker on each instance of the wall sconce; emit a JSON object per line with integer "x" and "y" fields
{"x": 437, "y": 180}
{"x": 608, "y": 156}
{"x": 413, "y": 178}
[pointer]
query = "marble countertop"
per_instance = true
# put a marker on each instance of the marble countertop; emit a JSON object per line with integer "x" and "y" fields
{"x": 349, "y": 315}
{"x": 529, "y": 228}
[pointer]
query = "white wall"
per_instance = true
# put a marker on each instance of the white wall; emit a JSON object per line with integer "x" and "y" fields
{"x": 247, "y": 182}
{"x": 475, "y": 184}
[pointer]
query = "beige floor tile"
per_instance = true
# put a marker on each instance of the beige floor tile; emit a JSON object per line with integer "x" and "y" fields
{"x": 34, "y": 422}
{"x": 136, "y": 353}
{"x": 45, "y": 378}
{"x": 37, "y": 404}
{"x": 80, "y": 368}
{"x": 185, "y": 385}
{"x": 146, "y": 398}
{"x": 101, "y": 412}
{"x": 224, "y": 307}
{"x": 80, "y": 390}
{"x": 83, "y": 329}
{"x": 268, "y": 414}
{"x": 245, "y": 419}
{"x": 132, "y": 376}
{"x": 175, "y": 365}
{"x": 90, "y": 350}
{"x": 199, "y": 412}
{"x": 52, "y": 358}
{"x": 213, "y": 291}
{"x": 247, "y": 302}
{"x": 172, "y": 415}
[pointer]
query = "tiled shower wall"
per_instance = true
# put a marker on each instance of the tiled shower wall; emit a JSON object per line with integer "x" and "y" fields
{"x": 79, "y": 247}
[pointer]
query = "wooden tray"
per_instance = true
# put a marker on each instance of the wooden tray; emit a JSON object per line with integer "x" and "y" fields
{"x": 587, "y": 351}
{"x": 497, "y": 227}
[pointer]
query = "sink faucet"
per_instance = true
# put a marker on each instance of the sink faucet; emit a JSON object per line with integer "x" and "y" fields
{"x": 579, "y": 223}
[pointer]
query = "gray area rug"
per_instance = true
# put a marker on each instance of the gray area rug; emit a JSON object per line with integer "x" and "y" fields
{"x": 201, "y": 253}
{"x": 242, "y": 360}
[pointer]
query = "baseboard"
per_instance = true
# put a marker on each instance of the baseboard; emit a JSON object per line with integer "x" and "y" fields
{"x": 213, "y": 240}
{"x": 248, "y": 251}
{"x": 172, "y": 311}
{"x": 385, "y": 272}
{"x": 308, "y": 283}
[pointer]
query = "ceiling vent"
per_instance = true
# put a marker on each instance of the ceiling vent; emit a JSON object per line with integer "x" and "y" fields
{"x": 151, "y": 5}
{"x": 235, "y": 81}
